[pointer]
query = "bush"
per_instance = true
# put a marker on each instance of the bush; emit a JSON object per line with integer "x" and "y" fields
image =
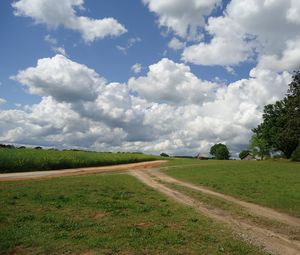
{"x": 296, "y": 154}
{"x": 164, "y": 155}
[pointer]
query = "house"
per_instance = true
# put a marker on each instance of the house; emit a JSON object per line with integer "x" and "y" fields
{"x": 248, "y": 156}
{"x": 200, "y": 157}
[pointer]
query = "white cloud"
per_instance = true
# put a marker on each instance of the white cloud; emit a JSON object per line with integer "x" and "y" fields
{"x": 57, "y": 13}
{"x": 60, "y": 50}
{"x": 50, "y": 39}
{"x": 293, "y": 13}
{"x": 288, "y": 60}
{"x": 136, "y": 68}
{"x": 130, "y": 43}
{"x": 230, "y": 70}
{"x": 227, "y": 46}
{"x": 267, "y": 28}
{"x": 182, "y": 17}
{"x": 56, "y": 49}
{"x": 2, "y": 101}
{"x": 172, "y": 83}
{"x": 62, "y": 79}
{"x": 170, "y": 109}
{"x": 176, "y": 44}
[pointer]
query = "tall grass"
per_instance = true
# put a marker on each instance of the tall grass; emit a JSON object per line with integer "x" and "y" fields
{"x": 19, "y": 160}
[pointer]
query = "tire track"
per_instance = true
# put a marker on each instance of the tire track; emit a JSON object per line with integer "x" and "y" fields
{"x": 271, "y": 241}
{"x": 253, "y": 208}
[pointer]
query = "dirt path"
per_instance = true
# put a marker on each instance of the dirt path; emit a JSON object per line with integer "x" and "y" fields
{"x": 253, "y": 208}
{"x": 271, "y": 241}
{"x": 77, "y": 171}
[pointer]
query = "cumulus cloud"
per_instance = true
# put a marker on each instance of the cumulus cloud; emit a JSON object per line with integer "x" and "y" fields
{"x": 266, "y": 29}
{"x": 62, "y": 79}
{"x": 57, "y": 13}
{"x": 288, "y": 60}
{"x": 172, "y": 83}
{"x": 184, "y": 18}
{"x": 227, "y": 46}
{"x": 170, "y": 109}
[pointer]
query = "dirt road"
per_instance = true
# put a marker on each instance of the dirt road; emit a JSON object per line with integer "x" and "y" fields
{"x": 253, "y": 208}
{"x": 271, "y": 241}
{"x": 77, "y": 171}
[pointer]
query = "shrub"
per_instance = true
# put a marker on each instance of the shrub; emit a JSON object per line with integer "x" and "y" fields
{"x": 296, "y": 154}
{"x": 164, "y": 155}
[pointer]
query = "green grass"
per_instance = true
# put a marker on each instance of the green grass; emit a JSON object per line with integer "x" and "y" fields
{"x": 18, "y": 160}
{"x": 104, "y": 214}
{"x": 274, "y": 184}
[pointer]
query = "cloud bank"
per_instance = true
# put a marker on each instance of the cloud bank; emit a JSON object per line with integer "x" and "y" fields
{"x": 170, "y": 109}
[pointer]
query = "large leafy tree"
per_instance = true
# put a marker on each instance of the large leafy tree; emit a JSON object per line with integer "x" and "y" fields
{"x": 259, "y": 147}
{"x": 220, "y": 151}
{"x": 281, "y": 121}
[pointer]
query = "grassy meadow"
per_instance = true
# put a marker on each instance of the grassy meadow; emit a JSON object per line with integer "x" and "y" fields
{"x": 274, "y": 184}
{"x": 20, "y": 160}
{"x": 105, "y": 214}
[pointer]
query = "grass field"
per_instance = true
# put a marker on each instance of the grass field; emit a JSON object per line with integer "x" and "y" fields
{"x": 104, "y": 214}
{"x": 274, "y": 184}
{"x": 20, "y": 160}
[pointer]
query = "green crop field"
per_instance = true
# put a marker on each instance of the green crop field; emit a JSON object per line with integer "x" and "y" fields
{"x": 274, "y": 184}
{"x": 105, "y": 214}
{"x": 20, "y": 160}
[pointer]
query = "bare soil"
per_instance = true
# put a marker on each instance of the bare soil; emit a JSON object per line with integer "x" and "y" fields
{"x": 77, "y": 171}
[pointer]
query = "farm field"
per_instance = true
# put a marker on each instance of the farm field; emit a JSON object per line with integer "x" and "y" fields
{"x": 21, "y": 160}
{"x": 274, "y": 184}
{"x": 105, "y": 214}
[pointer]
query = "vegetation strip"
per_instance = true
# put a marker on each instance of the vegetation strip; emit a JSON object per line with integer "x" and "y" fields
{"x": 270, "y": 240}
{"x": 27, "y": 160}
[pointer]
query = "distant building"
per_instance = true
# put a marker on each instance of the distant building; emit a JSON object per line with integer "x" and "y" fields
{"x": 200, "y": 157}
{"x": 248, "y": 156}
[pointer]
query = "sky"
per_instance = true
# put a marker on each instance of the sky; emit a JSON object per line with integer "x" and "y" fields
{"x": 154, "y": 76}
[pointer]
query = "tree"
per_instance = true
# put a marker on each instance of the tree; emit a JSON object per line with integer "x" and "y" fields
{"x": 243, "y": 153}
{"x": 296, "y": 154}
{"x": 164, "y": 155}
{"x": 259, "y": 147}
{"x": 281, "y": 121}
{"x": 220, "y": 151}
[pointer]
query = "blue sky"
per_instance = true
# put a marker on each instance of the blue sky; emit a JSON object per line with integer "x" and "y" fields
{"x": 23, "y": 43}
{"x": 229, "y": 58}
